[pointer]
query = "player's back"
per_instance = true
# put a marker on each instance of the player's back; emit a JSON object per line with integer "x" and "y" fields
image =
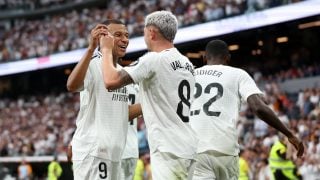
{"x": 218, "y": 93}
{"x": 166, "y": 97}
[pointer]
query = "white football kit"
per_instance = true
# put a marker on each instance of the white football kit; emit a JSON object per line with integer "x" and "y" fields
{"x": 131, "y": 151}
{"x": 166, "y": 85}
{"x": 218, "y": 95}
{"x": 102, "y": 125}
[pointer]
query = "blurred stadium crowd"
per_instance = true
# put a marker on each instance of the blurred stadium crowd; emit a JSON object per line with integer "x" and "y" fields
{"x": 30, "y": 4}
{"x": 27, "y": 38}
{"x": 43, "y": 125}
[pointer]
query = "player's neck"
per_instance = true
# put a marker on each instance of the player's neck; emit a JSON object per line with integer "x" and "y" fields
{"x": 159, "y": 46}
{"x": 216, "y": 63}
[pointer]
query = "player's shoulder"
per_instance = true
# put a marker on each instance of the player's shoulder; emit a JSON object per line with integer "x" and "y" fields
{"x": 149, "y": 55}
{"x": 233, "y": 70}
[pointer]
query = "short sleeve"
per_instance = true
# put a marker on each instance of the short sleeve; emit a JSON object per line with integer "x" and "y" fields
{"x": 143, "y": 69}
{"x": 247, "y": 86}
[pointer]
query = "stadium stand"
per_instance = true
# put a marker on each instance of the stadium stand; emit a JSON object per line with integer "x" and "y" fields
{"x": 63, "y": 31}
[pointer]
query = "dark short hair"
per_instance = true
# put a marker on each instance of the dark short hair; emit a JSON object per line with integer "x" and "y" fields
{"x": 217, "y": 48}
{"x": 112, "y": 21}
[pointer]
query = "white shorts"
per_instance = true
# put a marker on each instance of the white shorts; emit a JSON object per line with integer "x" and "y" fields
{"x": 215, "y": 165}
{"x": 95, "y": 168}
{"x": 128, "y": 167}
{"x": 166, "y": 166}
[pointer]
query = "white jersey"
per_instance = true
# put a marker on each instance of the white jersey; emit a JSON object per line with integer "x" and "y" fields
{"x": 166, "y": 86}
{"x": 102, "y": 121}
{"x": 218, "y": 95}
{"x": 131, "y": 149}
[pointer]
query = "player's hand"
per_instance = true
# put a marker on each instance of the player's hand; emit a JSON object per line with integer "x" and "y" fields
{"x": 106, "y": 42}
{"x": 95, "y": 34}
{"x": 69, "y": 153}
{"x": 297, "y": 144}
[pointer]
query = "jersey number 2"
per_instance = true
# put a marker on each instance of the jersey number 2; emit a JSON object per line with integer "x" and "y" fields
{"x": 211, "y": 100}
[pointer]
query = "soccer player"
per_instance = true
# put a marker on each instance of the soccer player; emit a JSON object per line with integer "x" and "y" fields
{"x": 131, "y": 151}
{"x": 102, "y": 122}
{"x": 166, "y": 86}
{"x": 220, "y": 89}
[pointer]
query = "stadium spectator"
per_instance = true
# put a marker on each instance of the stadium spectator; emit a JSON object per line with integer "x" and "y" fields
{"x": 24, "y": 170}
{"x": 54, "y": 169}
{"x": 56, "y": 33}
{"x": 244, "y": 168}
{"x": 280, "y": 161}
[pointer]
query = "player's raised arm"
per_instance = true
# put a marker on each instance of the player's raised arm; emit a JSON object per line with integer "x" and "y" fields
{"x": 113, "y": 78}
{"x": 258, "y": 106}
{"x": 76, "y": 78}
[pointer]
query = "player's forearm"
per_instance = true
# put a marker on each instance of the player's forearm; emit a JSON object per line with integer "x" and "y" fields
{"x": 134, "y": 111}
{"x": 111, "y": 76}
{"x": 267, "y": 115}
{"x": 76, "y": 78}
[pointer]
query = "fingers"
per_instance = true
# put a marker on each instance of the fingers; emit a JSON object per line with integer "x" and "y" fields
{"x": 105, "y": 36}
{"x": 99, "y": 29}
{"x": 298, "y": 145}
{"x": 103, "y": 32}
{"x": 300, "y": 149}
{"x": 96, "y": 33}
{"x": 101, "y": 26}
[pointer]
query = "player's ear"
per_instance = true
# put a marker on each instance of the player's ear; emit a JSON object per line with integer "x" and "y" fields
{"x": 153, "y": 33}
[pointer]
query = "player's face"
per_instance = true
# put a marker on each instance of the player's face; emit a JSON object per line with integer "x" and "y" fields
{"x": 121, "y": 39}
